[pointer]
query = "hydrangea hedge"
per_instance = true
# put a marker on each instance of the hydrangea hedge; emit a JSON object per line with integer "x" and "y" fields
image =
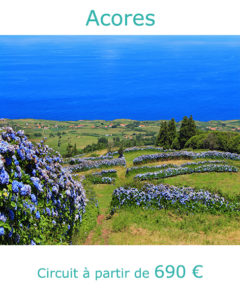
{"x": 94, "y": 164}
{"x": 185, "y": 155}
{"x": 40, "y": 203}
{"x": 104, "y": 177}
{"x": 170, "y": 172}
{"x": 166, "y": 197}
{"x": 100, "y": 179}
{"x": 143, "y": 169}
{"x": 75, "y": 160}
{"x": 136, "y": 149}
{"x": 109, "y": 173}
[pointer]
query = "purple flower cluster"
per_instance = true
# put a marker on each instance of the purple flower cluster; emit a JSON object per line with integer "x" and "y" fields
{"x": 149, "y": 168}
{"x": 149, "y": 148}
{"x": 74, "y": 161}
{"x": 185, "y": 170}
{"x": 105, "y": 172}
{"x": 39, "y": 200}
{"x": 185, "y": 155}
{"x": 143, "y": 169}
{"x": 88, "y": 164}
{"x": 165, "y": 196}
{"x": 202, "y": 162}
{"x": 98, "y": 178}
{"x": 107, "y": 180}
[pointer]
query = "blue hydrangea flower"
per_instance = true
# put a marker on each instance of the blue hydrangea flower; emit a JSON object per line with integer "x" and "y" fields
{"x": 15, "y": 186}
{"x": 2, "y": 231}
{"x": 17, "y": 238}
{"x": 4, "y": 177}
{"x": 3, "y": 218}
{"x": 10, "y": 233}
{"x": 55, "y": 189}
{"x": 37, "y": 184}
{"x": 8, "y": 161}
{"x": 34, "y": 198}
{"x": 11, "y": 215}
{"x": 25, "y": 190}
{"x": 38, "y": 215}
{"x": 1, "y": 163}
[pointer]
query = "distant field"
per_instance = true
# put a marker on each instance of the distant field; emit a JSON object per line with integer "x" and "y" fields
{"x": 87, "y": 132}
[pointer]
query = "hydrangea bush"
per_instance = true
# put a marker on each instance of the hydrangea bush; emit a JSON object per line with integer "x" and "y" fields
{"x": 165, "y": 197}
{"x": 135, "y": 149}
{"x": 134, "y": 170}
{"x": 202, "y": 162}
{"x": 40, "y": 203}
{"x": 185, "y": 170}
{"x": 143, "y": 169}
{"x": 109, "y": 173}
{"x": 185, "y": 155}
{"x": 89, "y": 164}
{"x": 74, "y": 161}
{"x": 97, "y": 179}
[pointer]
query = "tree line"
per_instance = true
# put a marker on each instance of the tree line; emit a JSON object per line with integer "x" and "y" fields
{"x": 168, "y": 137}
{"x": 189, "y": 136}
{"x": 110, "y": 144}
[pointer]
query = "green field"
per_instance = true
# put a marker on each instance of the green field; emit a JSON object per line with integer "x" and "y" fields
{"x": 131, "y": 225}
{"x": 137, "y": 226}
{"x": 85, "y": 132}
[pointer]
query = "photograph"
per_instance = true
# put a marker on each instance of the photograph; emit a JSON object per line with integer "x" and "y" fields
{"x": 119, "y": 140}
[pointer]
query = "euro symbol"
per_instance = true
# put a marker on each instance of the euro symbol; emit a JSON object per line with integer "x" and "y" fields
{"x": 196, "y": 271}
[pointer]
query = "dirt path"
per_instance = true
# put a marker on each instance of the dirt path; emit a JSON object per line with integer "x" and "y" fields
{"x": 104, "y": 231}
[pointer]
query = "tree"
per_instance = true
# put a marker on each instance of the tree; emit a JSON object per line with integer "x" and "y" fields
{"x": 175, "y": 144}
{"x": 187, "y": 130}
{"x": 172, "y": 131}
{"x": 75, "y": 149}
{"x": 163, "y": 135}
{"x": 102, "y": 140}
{"x": 69, "y": 150}
{"x": 120, "y": 151}
{"x": 59, "y": 141}
{"x": 110, "y": 146}
{"x": 192, "y": 129}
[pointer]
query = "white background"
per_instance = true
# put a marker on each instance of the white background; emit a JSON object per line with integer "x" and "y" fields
{"x": 70, "y": 16}
{"x": 19, "y": 265}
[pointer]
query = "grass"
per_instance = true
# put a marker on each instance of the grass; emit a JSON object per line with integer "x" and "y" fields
{"x": 104, "y": 196}
{"x": 84, "y": 132}
{"x": 226, "y": 183}
{"x": 136, "y": 226}
{"x": 89, "y": 221}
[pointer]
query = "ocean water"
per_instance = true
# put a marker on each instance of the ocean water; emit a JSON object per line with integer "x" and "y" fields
{"x": 109, "y": 77}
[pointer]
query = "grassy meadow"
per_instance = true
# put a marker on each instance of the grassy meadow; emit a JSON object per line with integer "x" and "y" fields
{"x": 85, "y": 132}
{"x": 138, "y": 226}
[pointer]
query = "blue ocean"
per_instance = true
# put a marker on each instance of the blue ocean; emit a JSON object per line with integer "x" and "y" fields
{"x": 110, "y": 77}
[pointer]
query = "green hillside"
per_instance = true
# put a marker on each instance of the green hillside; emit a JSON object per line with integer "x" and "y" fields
{"x": 85, "y": 132}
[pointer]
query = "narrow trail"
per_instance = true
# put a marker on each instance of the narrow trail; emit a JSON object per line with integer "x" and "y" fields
{"x": 101, "y": 233}
{"x": 104, "y": 232}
